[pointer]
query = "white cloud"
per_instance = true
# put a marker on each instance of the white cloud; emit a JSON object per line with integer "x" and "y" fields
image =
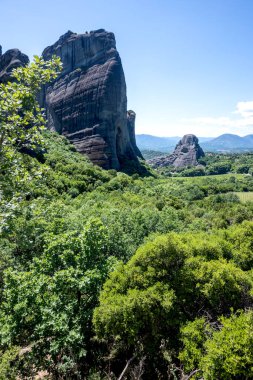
{"x": 240, "y": 122}
{"x": 245, "y": 109}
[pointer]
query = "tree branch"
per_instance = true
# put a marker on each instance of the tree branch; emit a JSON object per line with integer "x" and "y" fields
{"x": 126, "y": 367}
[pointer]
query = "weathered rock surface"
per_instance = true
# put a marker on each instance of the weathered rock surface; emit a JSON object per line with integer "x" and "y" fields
{"x": 87, "y": 103}
{"x": 10, "y": 60}
{"x": 131, "y": 116}
{"x": 186, "y": 153}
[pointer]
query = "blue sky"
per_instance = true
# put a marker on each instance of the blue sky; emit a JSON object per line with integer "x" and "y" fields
{"x": 188, "y": 63}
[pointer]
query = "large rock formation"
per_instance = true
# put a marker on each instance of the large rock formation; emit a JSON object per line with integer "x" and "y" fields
{"x": 186, "y": 153}
{"x": 10, "y": 60}
{"x": 131, "y": 116}
{"x": 87, "y": 103}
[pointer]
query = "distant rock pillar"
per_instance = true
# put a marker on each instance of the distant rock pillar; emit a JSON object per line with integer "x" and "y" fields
{"x": 10, "y": 60}
{"x": 131, "y": 116}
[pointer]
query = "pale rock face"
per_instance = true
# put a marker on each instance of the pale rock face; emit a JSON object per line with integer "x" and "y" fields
{"x": 187, "y": 153}
{"x": 87, "y": 103}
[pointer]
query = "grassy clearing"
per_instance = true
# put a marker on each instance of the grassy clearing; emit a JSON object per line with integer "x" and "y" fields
{"x": 245, "y": 196}
{"x": 208, "y": 177}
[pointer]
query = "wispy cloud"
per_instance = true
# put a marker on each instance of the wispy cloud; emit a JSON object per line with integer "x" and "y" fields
{"x": 240, "y": 121}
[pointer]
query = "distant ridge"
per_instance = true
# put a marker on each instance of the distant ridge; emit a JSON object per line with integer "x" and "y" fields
{"x": 229, "y": 142}
{"x": 225, "y": 143}
{"x": 161, "y": 144}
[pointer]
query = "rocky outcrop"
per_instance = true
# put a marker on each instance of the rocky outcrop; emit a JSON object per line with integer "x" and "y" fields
{"x": 186, "y": 153}
{"x": 10, "y": 60}
{"x": 87, "y": 103}
{"x": 131, "y": 116}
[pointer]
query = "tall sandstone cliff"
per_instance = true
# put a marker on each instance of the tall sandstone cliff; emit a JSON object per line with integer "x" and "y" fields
{"x": 87, "y": 103}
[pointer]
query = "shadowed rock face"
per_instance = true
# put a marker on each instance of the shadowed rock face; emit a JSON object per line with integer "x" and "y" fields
{"x": 186, "y": 153}
{"x": 131, "y": 115}
{"x": 10, "y": 60}
{"x": 87, "y": 103}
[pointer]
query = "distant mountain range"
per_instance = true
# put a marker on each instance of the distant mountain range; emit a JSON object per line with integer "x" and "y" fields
{"x": 229, "y": 143}
{"x": 161, "y": 144}
{"x": 224, "y": 143}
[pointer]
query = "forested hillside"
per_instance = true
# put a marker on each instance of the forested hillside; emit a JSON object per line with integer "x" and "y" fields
{"x": 213, "y": 164}
{"x": 106, "y": 275}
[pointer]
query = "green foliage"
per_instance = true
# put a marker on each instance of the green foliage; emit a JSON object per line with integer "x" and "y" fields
{"x": 219, "y": 168}
{"x": 9, "y": 363}
{"x": 212, "y": 164}
{"x": 66, "y": 224}
{"x": 229, "y": 351}
{"x": 169, "y": 282}
{"x": 193, "y": 335}
{"x": 242, "y": 169}
{"x": 20, "y": 114}
{"x": 49, "y": 305}
{"x": 149, "y": 154}
{"x": 222, "y": 350}
{"x": 241, "y": 238}
{"x": 21, "y": 118}
{"x": 135, "y": 301}
{"x": 218, "y": 285}
{"x": 193, "y": 172}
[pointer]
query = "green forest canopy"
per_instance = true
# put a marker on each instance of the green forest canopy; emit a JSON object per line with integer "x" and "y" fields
{"x": 102, "y": 271}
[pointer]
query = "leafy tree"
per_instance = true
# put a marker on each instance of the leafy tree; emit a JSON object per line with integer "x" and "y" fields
{"x": 9, "y": 362}
{"x": 219, "y": 350}
{"x": 21, "y": 118}
{"x": 193, "y": 335}
{"x": 241, "y": 238}
{"x": 219, "y": 168}
{"x": 229, "y": 351}
{"x": 242, "y": 169}
{"x": 193, "y": 172}
{"x": 169, "y": 281}
{"x": 49, "y": 306}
